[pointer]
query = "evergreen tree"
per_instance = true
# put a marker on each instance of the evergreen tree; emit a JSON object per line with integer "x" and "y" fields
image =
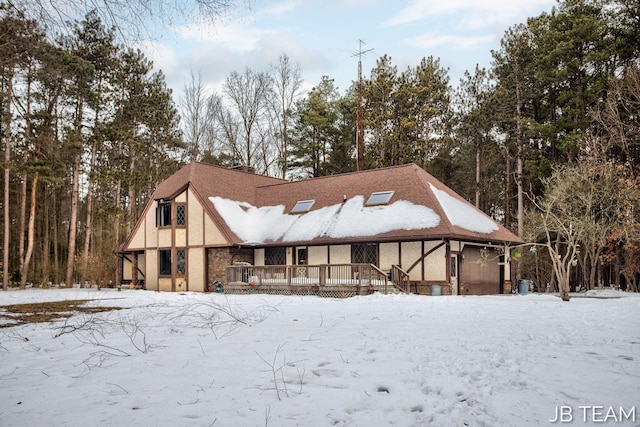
{"x": 406, "y": 115}
{"x": 315, "y": 131}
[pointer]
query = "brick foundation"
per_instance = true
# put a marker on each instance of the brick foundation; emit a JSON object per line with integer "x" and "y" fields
{"x": 507, "y": 287}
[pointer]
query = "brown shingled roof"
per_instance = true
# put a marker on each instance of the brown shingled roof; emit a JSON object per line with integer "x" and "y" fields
{"x": 209, "y": 180}
{"x": 409, "y": 183}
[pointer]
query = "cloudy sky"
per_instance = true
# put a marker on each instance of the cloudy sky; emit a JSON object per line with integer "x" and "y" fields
{"x": 322, "y": 36}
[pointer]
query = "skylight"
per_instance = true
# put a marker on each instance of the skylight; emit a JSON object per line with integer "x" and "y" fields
{"x": 303, "y": 206}
{"x": 379, "y": 198}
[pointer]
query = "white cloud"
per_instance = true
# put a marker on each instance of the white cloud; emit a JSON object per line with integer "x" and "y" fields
{"x": 459, "y": 42}
{"x": 162, "y": 55}
{"x": 492, "y": 12}
{"x": 237, "y": 35}
{"x": 280, "y": 8}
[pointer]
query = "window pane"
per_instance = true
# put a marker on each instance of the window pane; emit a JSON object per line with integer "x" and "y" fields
{"x": 180, "y": 262}
{"x": 366, "y": 253}
{"x": 381, "y": 198}
{"x": 275, "y": 256}
{"x": 302, "y": 206}
{"x": 164, "y": 211}
{"x": 165, "y": 262}
{"x": 302, "y": 256}
{"x": 181, "y": 217}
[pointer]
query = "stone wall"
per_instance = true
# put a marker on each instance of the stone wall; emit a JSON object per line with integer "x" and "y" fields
{"x": 219, "y": 258}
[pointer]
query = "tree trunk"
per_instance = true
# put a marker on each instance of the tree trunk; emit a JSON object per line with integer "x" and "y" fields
{"x": 46, "y": 242}
{"x": 73, "y": 221}
{"x": 30, "y": 232}
{"x": 23, "y": 220}
{"x": 6, "y": 119}
{"x": 563, "y": 284}
{"x": 507, "y": 189}
{"x": 56, "y": 240}
{"x": 519, "y": 169}
{"x": 89, "y": 218}
{"x": 478, "y": 176}
{"x": 131, "y": 221}
{"x": 5, "y": 205}
{"x": 116, "y": 228}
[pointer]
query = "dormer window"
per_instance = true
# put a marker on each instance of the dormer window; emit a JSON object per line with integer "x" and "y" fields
{"x": 303, "y": 206}
{"x": 379, "y": 198}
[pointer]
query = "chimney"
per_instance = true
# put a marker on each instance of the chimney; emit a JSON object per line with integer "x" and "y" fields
{"x": 243, "y": 168}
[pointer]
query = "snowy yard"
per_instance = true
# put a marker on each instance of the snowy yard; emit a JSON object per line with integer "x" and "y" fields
{"x": 257, "y": 360}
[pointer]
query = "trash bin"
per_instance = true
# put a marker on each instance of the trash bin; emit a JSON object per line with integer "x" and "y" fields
{"x": 523, "y": 286}
{"x": 436, "y": 290}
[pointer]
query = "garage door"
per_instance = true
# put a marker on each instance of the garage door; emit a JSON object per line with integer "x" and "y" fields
{"x": 479, "y": 271}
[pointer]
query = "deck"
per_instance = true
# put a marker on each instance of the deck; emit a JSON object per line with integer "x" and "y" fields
{"x": 327, "y": 280}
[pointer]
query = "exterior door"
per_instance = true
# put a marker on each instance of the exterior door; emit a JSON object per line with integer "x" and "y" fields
{"x": 453, "y": 275}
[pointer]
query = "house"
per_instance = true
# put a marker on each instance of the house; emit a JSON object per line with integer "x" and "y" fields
{"x": 207, "y": 224}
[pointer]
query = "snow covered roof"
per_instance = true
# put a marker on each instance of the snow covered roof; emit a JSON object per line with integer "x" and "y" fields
{"x": 252, "y": 209}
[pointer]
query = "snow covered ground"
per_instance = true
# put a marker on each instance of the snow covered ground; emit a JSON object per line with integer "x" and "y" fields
{"x": 257, "y": 360}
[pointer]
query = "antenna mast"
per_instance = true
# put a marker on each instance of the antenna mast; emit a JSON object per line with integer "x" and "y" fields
{"x": 359, "y": 124}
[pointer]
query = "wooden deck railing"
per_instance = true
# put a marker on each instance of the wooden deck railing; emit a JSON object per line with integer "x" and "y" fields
{"x": 365, "y": 278}
{"x": 401, "y": 279}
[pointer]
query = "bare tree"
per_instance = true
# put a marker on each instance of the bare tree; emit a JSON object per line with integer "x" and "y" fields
{"x": 225, "y": 127}
{"x": 133, "y": 19}
{"x": 617, "y": 115}
{"x": 194, "y": 116}
{"x": 287, "y": 81}
{"x": 584, "y": 206}
{"x": 247, "y": 94}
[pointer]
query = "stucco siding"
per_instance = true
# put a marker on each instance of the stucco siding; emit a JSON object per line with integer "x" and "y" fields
{"x": 181, "y": 237}
{"x": 151, "y": 278}
{"x": 196, "y": 269}
{"x": 195, "y": 220}
{"x": 138, "y": 239}
{"x": 212, "y": 234}
{"x": 435, "y": 266}
{"x": 164, "y": 237}
{"x": 340, "y": 254}
{"x": 258, "y": 256}
{"x": 317, "y": 255}
{"x": 164, "y": 284}
{"x": 126, "y": 269}
{"x": 151, "y": 231}
{"x": 388, "y": 255}
{"x": 412, "y": 252}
